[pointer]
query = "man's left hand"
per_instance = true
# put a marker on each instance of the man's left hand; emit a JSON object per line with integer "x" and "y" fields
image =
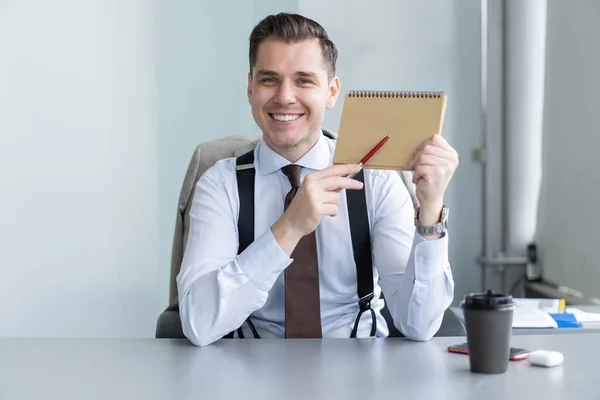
{"x": 433, "y": 163}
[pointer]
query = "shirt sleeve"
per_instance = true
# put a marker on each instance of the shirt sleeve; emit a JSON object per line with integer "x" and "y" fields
{"x": 414, "y": 273}
{"x": 219, "y": 289}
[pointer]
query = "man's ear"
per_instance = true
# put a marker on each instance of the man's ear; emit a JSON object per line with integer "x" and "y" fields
{"x": 334, "y": 91}
{"x": 249, "y": 89}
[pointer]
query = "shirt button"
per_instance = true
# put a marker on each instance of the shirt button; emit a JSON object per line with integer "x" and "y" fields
{"x": 420, "y": 258}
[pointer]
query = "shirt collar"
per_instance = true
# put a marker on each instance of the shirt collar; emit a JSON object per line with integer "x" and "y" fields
{"x": 317, "y": 158}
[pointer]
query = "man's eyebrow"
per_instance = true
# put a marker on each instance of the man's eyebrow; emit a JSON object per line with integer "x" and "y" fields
{"x": 306, "y": 74}
{"x": 266, "y": 72}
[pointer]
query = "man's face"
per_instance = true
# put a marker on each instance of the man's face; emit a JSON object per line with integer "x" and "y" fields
{"x": 289, "y": 92}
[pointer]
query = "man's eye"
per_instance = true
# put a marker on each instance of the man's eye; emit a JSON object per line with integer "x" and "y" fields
{"x": 268, "y": 80}
{"x": 304, "y": 81}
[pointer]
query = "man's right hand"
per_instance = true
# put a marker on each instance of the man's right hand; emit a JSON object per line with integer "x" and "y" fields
{"x": 317, "y": 197}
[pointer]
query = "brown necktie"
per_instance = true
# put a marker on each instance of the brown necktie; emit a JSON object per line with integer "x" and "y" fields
{"x": 302, "y": 302}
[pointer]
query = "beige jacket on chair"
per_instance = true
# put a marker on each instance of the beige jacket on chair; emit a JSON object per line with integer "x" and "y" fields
{"x": 205, "y": 155}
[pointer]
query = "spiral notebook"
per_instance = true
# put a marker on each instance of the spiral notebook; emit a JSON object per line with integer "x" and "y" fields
{"x": 410, "y": 118}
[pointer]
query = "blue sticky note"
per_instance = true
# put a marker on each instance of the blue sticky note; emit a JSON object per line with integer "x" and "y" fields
{"x": 566, "y": 320}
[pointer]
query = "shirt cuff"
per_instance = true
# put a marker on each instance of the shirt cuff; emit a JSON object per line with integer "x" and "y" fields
{"x": 263, "y": 261}
{"x": 430, "y": 256}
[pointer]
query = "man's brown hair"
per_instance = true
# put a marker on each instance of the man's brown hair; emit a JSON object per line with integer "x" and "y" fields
{"x": 292, "y": 28}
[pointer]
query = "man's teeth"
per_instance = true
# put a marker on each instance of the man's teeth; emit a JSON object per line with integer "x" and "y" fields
{"x": 285, "y": 117}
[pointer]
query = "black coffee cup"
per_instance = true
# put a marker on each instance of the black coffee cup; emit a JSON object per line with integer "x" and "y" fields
{"x": 488, "y": 320}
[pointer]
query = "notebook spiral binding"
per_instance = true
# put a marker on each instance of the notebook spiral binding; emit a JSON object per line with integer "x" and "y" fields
{"x": 378, "y": 93}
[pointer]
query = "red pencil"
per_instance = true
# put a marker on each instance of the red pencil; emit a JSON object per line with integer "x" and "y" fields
{"x": 371, "y": 153}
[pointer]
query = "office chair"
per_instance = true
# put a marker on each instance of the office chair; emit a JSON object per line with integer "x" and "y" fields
{"x": 205, "y": 155}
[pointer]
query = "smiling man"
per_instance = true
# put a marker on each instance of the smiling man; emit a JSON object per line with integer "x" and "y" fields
{"x": 298, "y": 278}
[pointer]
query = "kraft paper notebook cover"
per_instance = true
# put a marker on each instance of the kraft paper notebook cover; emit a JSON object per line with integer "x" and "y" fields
{"x": 410, "y": 118}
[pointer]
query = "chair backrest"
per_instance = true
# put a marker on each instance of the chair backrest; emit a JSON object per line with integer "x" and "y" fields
{"x": 205, "y": 156}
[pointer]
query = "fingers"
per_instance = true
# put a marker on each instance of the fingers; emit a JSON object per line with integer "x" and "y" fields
{"x": 434, "y": 152}
{"x": 330, "y": 198}
{"x": 338, "y": 183}
{"x": 433, "y": 173}
{"x": 318, "y": 196}
{"x": 431, "y": 160}
{"x": 333, "y": 178}
{"x": 437, "y": 142}
{"x": 326, "y": 191}
{"x": 422, "y": 172}
{"x": 333, "y": 184}
{"x": 336, "y": 170}
{"x": 330, "y": 209}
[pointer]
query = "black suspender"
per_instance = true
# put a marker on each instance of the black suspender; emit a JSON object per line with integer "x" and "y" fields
{"x": 359, "y": 231}
{"x": 245, "y": 173}
{"x": 361, "y": 244}
{"x": 245, "y": 181}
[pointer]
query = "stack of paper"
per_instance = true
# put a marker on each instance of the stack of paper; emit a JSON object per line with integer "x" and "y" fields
{"x": 583, "y": 316}
{"x": 546, "y": 305}
{"x": 532, "y": 317}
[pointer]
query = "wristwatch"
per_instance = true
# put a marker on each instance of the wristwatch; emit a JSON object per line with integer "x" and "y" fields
{"x": 439, "y": 228}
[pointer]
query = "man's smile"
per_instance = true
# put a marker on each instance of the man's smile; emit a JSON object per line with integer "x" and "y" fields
{"x": 285, "y": 117}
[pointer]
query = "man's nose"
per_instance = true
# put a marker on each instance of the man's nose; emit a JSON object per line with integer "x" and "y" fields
{"x": 286, "y": 93}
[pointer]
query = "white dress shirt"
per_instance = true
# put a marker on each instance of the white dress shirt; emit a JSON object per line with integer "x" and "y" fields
{"x": 219, "y": 289}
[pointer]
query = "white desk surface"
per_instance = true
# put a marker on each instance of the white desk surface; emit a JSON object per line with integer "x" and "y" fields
{"x": 280, "y": 369}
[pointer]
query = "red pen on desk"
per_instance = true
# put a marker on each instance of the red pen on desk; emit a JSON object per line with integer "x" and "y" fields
{"x": 371, "y": 153}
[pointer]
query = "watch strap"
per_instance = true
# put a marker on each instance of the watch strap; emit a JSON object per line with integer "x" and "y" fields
{"x": 437, "y": 229}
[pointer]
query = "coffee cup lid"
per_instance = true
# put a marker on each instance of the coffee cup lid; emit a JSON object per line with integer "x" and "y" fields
{"x": 488, "y": 300}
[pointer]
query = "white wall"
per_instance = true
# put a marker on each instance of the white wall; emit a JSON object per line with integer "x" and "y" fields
{"x": 78, "y": 169}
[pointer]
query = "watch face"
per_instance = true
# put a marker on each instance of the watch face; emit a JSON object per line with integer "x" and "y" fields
{"x": 445, "y": 215}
